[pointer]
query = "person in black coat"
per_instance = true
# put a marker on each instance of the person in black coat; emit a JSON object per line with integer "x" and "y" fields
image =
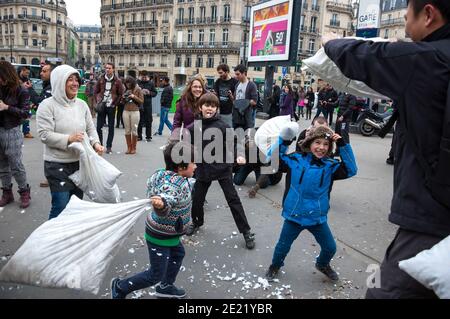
{"x": 149, "y": 91}
{"x": 274, "y": 100}
{"x": 216, "y": 170}
{"x": 416, "y": 75}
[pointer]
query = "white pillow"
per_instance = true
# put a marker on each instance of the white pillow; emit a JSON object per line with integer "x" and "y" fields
{"x": 432, "y": 268}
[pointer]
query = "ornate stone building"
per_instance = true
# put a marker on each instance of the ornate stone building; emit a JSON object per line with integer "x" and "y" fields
{"x": 393, "y": 19}
{"x": 89, "y": 46}
{"x": 33, "y": 30}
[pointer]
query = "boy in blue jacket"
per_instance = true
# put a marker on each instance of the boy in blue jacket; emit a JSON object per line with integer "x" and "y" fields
{"x": 308, "y": 200}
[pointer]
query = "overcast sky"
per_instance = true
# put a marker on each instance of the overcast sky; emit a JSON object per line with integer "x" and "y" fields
{"x": 84, "y": 11}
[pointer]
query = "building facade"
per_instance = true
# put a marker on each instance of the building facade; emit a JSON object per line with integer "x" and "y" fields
{"x": 31, "y": 30}
{"x": 393, "y": 19}
{"x": 180, "y": 38}
{"x": 89, "y": 46}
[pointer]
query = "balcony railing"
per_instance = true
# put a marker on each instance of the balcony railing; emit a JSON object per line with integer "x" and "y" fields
{"x": 225, "y": 19}
{"x": 387, "y": 22}
{"x": 315, "y": 8}
{"x": 140, "y": 46}
{"x": 142, "y": 24}
{"x": 341, "y": 7}
{"x": 207, "y": 45}
{"x": 335, "y": 23}
{"x": 137, "y": 4}
{"x": 31, "y": 17}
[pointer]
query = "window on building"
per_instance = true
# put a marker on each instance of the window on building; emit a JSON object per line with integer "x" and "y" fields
{"x": 191, "y": 15}
{"x": 153, "y": 17}
{"x": 153, "y": 39}
{"x": 386, "y": 33}
{"x": 165, "y": 39}
{"x": 223, "y": 59}
{"x": 143, "y": 16}
{"x": 225, "y": 37}
{"x": 35, "y": 42}
{"x": 111, "y": 21}
{"x": 44, "y": 14}
{"x": 300, "y": 44}
{"x": 199, "y": 63}
{"x": 212, "y": 37}
{"x": 44, "y": 43}
{"x": 226, "y": 12}
{"x": 313, "y": 24}
{"x": 213, "y": 13}
{"x": 189, "y": 37}
{"x": 178, "y": 61}
{"x": 166, "y": 15}
{"x": 25, "y": 42}
{"x": 312, "y": 46}
{"x": 34, "y": 27}
{"x": 188, "y": 61}
{"x": 201, "y": 37}
{"x": 180, "y": 15}
{"x": 210, "y": 62}
{"x": 202, "y": 14}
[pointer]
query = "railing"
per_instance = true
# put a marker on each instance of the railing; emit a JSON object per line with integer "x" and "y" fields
{"x": 335, "y": 23}
{"x": 29, "y": 17}
{"x": 142, "y": 24}
{"x": 205, "y": 45}
{"x": 137, "y": 4}
{"x": 315, "y": 8}
{"x": 339, "y": 6}
{"x": 399, "y": 21}
{"x": 140, "y": 46}
{"x": 225, "y": 19}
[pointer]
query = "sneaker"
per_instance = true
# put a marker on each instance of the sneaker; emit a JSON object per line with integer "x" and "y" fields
{"x": 249, "y": 240}
{"x": 157, "y": 133}
{"x": 191, "y": 229}
{"x": 328, "y": 271}
{"x": 390, "y": 161}
{"x": 28, "y": 135}
{"x": 109, "y": 150}
{"x": 148, "y": 139}
{"x": 139, "y": 139}
{"x": 272, "y": 273}
{"x": 115, "y": 293}
{"x": 169, "y": 291}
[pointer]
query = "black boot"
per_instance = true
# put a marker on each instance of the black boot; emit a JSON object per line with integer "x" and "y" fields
{"x": 249, "y": 240}
{"x": 272, "y": 273}
{"x": 328, "y": 271}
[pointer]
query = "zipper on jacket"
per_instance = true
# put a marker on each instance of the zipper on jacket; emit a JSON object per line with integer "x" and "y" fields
{"x": 301, "y": 177}
{"x": 322, "y": 178}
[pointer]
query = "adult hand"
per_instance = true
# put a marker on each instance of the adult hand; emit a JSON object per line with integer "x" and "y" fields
{"x": 341, "y": 119}
{"x": 77, "y": 137}
{"x": 157, "y": 202}
{"x": 99, "y": 149}
{"x": 241, "y": 160}
{"x": 27, "y": 85}
{"x": 3, "y": 106}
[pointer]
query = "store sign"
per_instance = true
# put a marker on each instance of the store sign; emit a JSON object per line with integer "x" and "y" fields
{"x": 369, "y": 14}
{"x": 270, "y": 35}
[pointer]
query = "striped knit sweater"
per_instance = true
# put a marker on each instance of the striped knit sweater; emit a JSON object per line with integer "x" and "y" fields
{"x": 168, "y": 225}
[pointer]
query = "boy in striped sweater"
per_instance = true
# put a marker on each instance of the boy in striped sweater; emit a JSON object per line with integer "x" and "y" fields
{"x": 170, "y": 193}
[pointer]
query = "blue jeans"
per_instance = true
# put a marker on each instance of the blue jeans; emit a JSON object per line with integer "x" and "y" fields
{"x": 290, "y": 232}
{"x": 26, "y": 127}
{"x": 165, "y": 263}
{"x": 164, "y": 119}
{"x": 60, "y": 201}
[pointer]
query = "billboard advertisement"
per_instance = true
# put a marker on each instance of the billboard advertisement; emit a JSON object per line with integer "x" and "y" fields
{"x": 270, "y": 26}
{"x": 369, "y": 14}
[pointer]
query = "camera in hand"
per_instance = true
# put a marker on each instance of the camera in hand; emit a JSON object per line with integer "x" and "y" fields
{"x": 127, "y": 98}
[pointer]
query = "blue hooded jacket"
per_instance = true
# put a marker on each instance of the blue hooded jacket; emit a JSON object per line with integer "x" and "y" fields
{"x": 308, "y": 200}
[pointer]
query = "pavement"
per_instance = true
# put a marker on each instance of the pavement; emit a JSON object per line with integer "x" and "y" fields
{"x": 217, "y": 264}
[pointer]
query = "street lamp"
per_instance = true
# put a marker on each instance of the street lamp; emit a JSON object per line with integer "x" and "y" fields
{"x": 58, "y": 2}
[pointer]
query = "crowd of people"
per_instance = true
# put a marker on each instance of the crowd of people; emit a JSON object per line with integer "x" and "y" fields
{"x": 177, "y": 206}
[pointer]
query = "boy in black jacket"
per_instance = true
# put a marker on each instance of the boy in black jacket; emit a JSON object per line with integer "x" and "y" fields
{"x": 216, "y": 170}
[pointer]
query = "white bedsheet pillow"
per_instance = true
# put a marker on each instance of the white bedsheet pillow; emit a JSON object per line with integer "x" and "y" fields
{"x": 432, "y": 268}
